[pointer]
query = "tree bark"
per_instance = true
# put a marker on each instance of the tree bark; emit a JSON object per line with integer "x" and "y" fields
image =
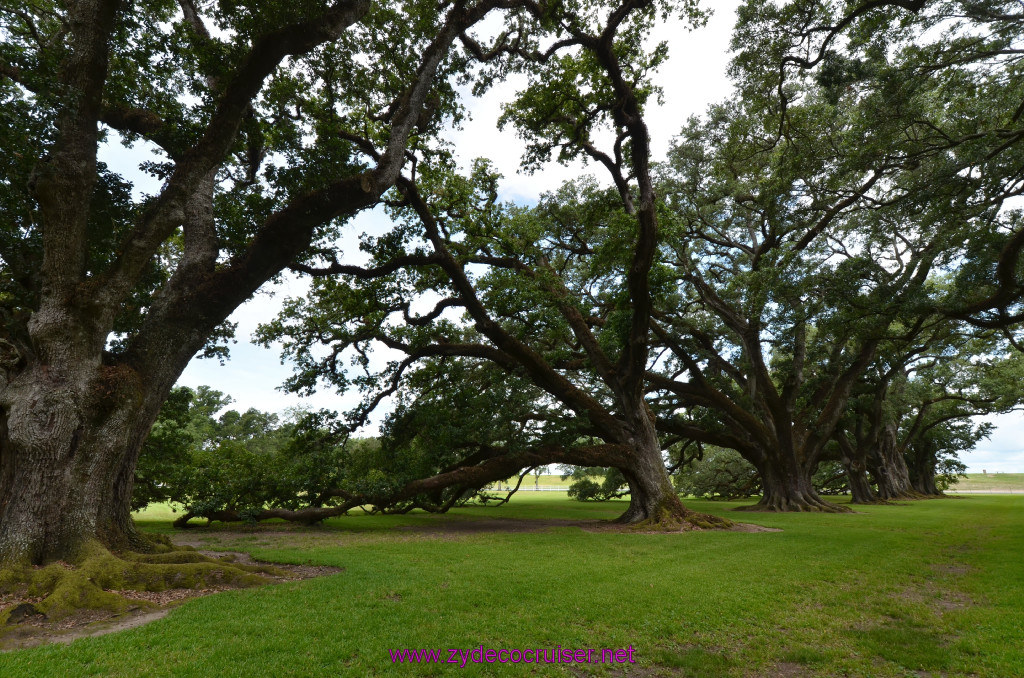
{"x": 787, "y": 487}
{"x": 889, "y": 468}
{"x": 653, "y": 499}
{"x": 854, "y": 461}
{"x": 62, "y": 443}
{"x": 651, "y": 494}
{"x": 923, "y": 476}
{"x": 860, "y": 486}
{"x": 115, "y": 527}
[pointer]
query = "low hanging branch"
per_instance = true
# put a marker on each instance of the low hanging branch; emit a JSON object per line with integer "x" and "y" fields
{"x": 456, "y": 481}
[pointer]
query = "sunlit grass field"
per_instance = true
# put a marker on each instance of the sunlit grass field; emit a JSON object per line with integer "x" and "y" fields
{"x": 981, "y": 482}
{"x": 927, "y": 588}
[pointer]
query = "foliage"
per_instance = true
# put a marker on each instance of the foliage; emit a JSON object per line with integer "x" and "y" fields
{"x": 830, "y": 479}
{"x": 583, "y": 487}
{"x": 242, "y": 462}
{"x": 720, "y": 474}
{"x": 186, "y": 425}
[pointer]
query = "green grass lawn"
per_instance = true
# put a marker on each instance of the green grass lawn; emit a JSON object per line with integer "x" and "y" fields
{"x": 928, "y": 588}
{"x": 979, "y": 482}
{"x": 532, "y": 481}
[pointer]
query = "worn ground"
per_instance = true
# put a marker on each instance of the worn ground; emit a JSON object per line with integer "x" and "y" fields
{"x": 30, "y": 629}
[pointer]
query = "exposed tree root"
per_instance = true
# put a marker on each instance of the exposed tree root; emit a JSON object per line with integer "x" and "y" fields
{"x": 61, "y": 589}
{"x": 801, "y": 503}
{"x": 873, "y": 502}
{"x": 906, "y": 495}
{"x": 672, "y": 516}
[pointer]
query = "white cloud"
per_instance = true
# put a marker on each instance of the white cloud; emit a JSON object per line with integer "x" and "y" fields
{"x": 693, "y": 78}
{"x": 1003, "y": 451}
{"x": 253, "y": 374}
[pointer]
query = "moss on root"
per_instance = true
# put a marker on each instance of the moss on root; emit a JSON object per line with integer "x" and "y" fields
{"x": 680, "y": 519}
{"x": 91, "y": 581}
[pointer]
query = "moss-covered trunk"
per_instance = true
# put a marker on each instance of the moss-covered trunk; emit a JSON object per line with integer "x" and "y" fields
{"x": 651, "y": 494}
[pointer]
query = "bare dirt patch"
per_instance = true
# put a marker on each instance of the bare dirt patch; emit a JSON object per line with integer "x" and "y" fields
{"x": 750, "y": 527}
{"x": 31, "y": 629}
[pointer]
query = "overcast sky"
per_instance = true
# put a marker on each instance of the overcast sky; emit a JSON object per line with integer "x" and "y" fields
{"x": 693, "y": 78}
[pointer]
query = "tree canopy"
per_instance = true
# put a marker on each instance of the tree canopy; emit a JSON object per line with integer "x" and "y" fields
{"x": 829, "y": 212}
{"x": 826, "y": 269}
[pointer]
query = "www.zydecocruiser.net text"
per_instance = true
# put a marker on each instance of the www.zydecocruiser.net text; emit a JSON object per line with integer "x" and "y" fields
{"x": 479, "y": 655}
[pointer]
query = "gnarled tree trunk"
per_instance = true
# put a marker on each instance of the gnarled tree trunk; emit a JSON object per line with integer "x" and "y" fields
{"x": 651, "y": 494}
{"x": 854, "y": 461}
{"x": 71, "y": 429}
{"x": 889, "y": 468}
{"x": 860, "y": 487}
{"x": 787, "y": 486}
{"x": 65, "y": 437}
{"x": 923, "y": 475}
{"x": 652, "y": 497}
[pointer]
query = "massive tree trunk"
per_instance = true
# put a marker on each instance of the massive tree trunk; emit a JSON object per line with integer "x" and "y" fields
{"x": 70, "y": 437}
{"x": 115, "y": 527}
{"x": 854, "y": 461}
{"x": 923, "y": 472}
{"x": 64, "y": 438}
{"x": 652, "y": 497}
{"x": 924, "y": 483}
{"x": 889, "y": 468}
{"x": 788, "y": 487}
{"x": 651, "y": 494}
{"x": 860, "y": 487}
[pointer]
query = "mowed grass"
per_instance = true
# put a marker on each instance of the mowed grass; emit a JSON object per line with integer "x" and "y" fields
{"x": 928, "y": 588}
{"x": 981, "y": 482}
{"x": 531, "y": 481}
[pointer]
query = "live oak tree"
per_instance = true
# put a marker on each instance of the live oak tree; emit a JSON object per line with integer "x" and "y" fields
{"x": 594, "y": 484}
{"x": 267, "y": 124}
{"x": 315, "y": 469}
{"x": 967, "y": 55}
{"x": 791, "y": 264}
{"x": 532, "y": 301}
{"x": 862, "y": 156}
{"x": 800, "y": 233}
{"x": 719, "y": 473}
{"x": 903, "y": 382}
{"x": 217, "y": 462}
{"x": 940, "y": 402}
